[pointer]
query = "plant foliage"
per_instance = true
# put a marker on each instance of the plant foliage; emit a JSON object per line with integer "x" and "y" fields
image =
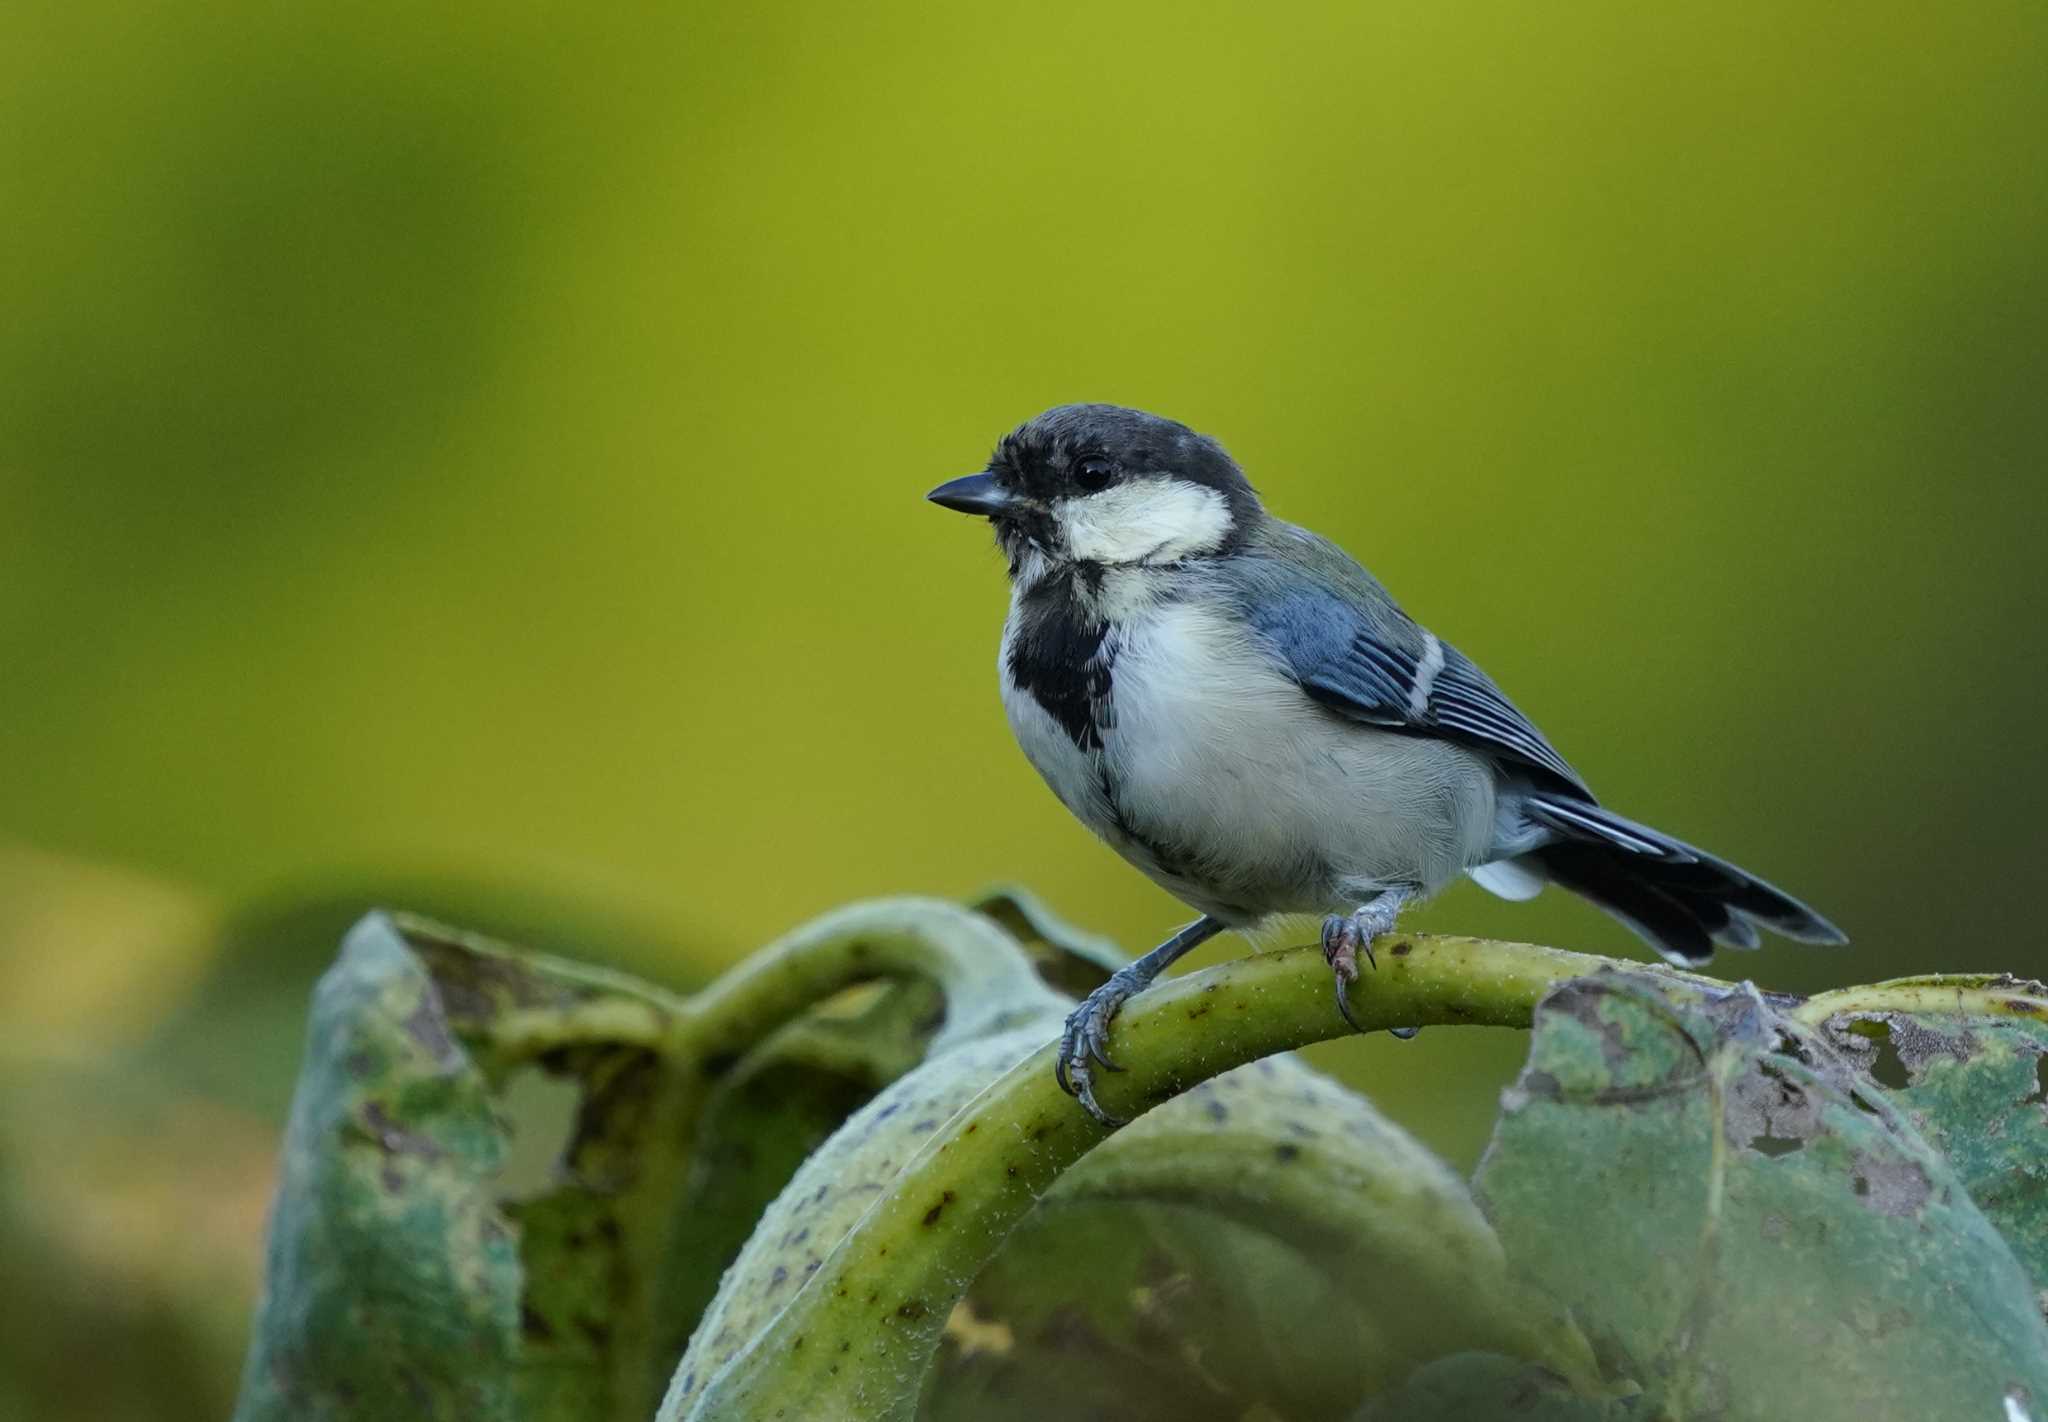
{"x": 839, "y": 1183}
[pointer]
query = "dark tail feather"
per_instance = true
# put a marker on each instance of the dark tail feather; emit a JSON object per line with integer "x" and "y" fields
{"x": 1682, "y": 900}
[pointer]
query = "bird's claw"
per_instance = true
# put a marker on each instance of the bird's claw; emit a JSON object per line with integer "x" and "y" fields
{"x": 1085, "y": 1040}
{"x": 1345, "y": 936}
{"x": 1341, "y": 942}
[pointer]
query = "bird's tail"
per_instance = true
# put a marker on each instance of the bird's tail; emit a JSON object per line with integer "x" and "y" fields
{"x": 1681, "y": 900}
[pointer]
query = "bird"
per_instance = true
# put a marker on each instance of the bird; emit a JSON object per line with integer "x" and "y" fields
{"x": 1245, "y": 714}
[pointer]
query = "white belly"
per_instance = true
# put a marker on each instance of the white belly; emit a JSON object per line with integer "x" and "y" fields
{"x": 1222, "y": 780}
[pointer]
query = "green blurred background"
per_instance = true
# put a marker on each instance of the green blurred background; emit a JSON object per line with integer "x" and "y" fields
{"x": 472, "y": 456}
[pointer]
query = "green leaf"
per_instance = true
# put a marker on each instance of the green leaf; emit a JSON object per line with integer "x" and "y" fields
{"x": 1976, "y": 1085}
{"x": 1738, "y": 1218}
{"x": 393, "y": 1280}
{"x": 1142, "y": 1311}
{"x": 407, "y": 1276}
{"x": 1244, "y": 1245}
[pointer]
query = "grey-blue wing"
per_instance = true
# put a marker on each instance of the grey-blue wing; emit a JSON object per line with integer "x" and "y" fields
{"x": 1351, "y": 648}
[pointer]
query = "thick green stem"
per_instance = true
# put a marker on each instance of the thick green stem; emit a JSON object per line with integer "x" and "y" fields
{"x": 856, "y": 1330}
{"x": 872, "y": 1315}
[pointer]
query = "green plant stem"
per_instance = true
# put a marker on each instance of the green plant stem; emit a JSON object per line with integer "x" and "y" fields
{"x": 856, "y": 1330}
{"x": 984, "y": 978}
{"x": 873, "y": 1314}
{"x": 1960, "y": 994}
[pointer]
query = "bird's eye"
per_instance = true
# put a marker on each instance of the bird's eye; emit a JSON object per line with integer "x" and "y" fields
{"x": 1094, "y": 473}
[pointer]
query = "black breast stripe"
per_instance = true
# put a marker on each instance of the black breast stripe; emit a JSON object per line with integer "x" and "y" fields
{"x": 1063, "y": 656}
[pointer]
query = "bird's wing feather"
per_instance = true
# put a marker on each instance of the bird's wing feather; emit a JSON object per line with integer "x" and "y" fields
{"x": 1349, "y": 646}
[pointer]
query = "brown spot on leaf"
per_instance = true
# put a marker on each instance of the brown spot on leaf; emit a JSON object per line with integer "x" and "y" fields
{"x": 931, "y": 1216}
{"x": 1540, "y": 1085}
{"x": 1892, "y": 1185}
{"x": 1770, "y": 1113}
{"x": 426, "y": 1026}
{"x": 395, "y": 1139}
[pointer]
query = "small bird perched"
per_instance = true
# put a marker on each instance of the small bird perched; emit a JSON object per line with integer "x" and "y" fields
{"x": 1247, "y": 716}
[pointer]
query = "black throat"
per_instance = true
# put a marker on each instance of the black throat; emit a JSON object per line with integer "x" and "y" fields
{"x": 1062, "y": 655}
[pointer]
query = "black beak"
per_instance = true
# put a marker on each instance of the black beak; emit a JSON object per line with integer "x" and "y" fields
{"x": 972, "y": 494}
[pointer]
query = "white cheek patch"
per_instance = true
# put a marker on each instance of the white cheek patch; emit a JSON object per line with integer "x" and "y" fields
{"x": 1144, "y": 521}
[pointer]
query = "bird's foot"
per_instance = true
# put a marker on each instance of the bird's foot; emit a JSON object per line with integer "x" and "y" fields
{"x": 1085, "y": 1043}
{"x": 1345, "y": 935}
{"x": 1086, "y": 1037}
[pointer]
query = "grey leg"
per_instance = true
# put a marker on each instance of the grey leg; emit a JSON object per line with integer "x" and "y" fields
{"x": 1087, "y": 1031}
{"x": 1344, "y": 935}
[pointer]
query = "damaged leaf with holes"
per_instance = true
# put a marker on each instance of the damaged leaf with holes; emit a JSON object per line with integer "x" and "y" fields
{"x": 512, "y": 1184}
{"x": 1732, "y": 1211}
{"x": 1976, "y": 1086}
{"x": 387, "y": 1243}
{"x": 400, "y": 1280}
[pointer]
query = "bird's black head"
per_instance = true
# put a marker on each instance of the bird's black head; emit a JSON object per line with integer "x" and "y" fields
{"x": 1103, "y": 485}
